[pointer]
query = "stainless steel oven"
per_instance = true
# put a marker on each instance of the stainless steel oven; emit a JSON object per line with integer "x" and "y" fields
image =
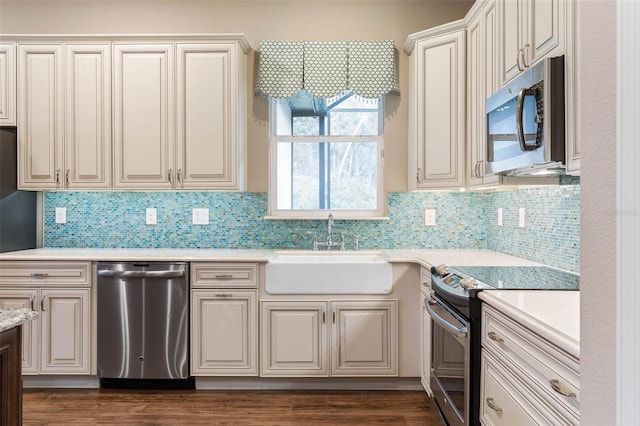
{"x": 450, "y": 363}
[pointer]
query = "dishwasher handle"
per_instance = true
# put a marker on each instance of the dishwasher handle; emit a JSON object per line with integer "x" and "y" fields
{"x": 141, "y": 274}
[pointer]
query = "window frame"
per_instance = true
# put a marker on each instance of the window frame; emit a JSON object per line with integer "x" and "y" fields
{"x": 314, "y": 214}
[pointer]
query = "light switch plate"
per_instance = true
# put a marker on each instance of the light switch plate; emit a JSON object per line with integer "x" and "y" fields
{"x": 521, "y": 217}
{"x": 152, "y": 216}
{"x": 61, "y": 215}
{"x": 429, "y": 217}
{"x": 200, "y": 216}
{"x": 500, "y": 216}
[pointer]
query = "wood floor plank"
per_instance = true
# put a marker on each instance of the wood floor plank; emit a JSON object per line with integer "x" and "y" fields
{"x": 265, "y": 408}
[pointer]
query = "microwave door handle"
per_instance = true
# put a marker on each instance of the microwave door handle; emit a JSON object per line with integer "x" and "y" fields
{"x": 519, "y": 120}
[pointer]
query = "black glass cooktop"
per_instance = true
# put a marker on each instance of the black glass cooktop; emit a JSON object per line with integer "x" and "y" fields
{"x": 522, "y": 277}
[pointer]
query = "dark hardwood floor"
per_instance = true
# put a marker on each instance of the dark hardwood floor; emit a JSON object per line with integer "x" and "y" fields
{"x": 142, "y": 407}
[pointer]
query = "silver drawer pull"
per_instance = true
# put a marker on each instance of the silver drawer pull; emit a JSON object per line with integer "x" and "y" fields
{"x": 39, "y": 274}
{"x": 493, "y": 336}
{"x": 224, "y": 276}
{"x": 556, "y": 386}
{"x": 224, "y": 295}
{"x": 492, "y": 405}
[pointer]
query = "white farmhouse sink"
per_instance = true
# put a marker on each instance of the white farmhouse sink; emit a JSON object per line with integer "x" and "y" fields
{"x": 328, "y": 273}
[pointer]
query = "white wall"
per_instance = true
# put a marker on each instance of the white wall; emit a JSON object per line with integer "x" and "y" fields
{"x": 598, "y": 215}
{"x": 258, "y": 20}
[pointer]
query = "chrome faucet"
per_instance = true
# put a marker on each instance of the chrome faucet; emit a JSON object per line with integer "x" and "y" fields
{"x": 329, "y": 231}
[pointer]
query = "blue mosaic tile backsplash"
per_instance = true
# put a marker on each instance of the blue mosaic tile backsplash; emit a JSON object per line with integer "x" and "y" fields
{"x": 236, "y": 220}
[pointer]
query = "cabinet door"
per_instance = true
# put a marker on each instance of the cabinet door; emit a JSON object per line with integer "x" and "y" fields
{"x": 66, "y": 337}
{"x": 293, "y": 338}
{"x": 437, "y": 141}
{"x": 545, "y": 22}
{"x": 223, "y": 333}
{"x": 7, "y": 85}
{"x": 24, "y": 298}
{"x": 572, "y": 86}
{"x": 364, "y": 338}
{"x": 207, "y": 136}
{"x": 490, "y": 36}
{"x": 426, "y": 348}
{"x": 512, "y": 17}
{"x": 41, "y": 125}
{"x": 143, "y": 116}
{"x": 88, "y": 116}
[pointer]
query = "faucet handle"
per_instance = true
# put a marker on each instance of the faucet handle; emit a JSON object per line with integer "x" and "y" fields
{"x": 356, "y": 242}
{"x": 315, "y": 239}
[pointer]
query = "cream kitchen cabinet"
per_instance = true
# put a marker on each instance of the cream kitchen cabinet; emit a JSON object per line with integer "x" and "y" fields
{"x": 224, "y": 318}
{"x": 329, "y": 338}
{"x": 437, "y": 107}
{"x": 64, "y": 135}
{"x": 526, "y": 379}
{"x": 480, "y": 77}
{"x": 143, "y": 118}
{"x": 224, "y": 328}
{"x": 572, "y": 87}
{"x": 179, "y": 123}
{"x": 425, "y": 328}
{"x": 7, "y": 84}
{"x": 59, "y": 340}
{"x": 528, "y": 30}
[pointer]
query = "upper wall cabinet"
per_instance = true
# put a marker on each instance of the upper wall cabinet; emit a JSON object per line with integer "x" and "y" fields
{"x": 196, "y": 143}
{"x": 480, "y": 84}
{"x": 178, "y": 111}
{"x": 143, "y": 116}
{"x": 210, "y": 112}
{"x": 7, "y": 85}
{"x": 437, "y": 107}
{"x": 529, "y": 31}
{"x": 41, "y": 112}
{"x": 572, "y": 87}
{"x": 64, "y": 135}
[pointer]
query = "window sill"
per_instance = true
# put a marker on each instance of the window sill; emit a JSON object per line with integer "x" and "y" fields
{"x": 324, "y": 217}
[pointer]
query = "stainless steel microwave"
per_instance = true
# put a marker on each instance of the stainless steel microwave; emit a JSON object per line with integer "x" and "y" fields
{"x": 526, "y": 122}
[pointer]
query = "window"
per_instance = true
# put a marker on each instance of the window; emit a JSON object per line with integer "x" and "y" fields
{"x": 326, "y": 155}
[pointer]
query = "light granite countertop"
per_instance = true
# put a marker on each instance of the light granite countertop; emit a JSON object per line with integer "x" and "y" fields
{"x": 428, "y": 258}
{"x": 552, "y": 314}
{"x": 13, "y": 317}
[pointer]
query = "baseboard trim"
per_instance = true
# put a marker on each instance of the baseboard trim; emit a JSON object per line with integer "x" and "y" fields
{"x": 308, "y": 383}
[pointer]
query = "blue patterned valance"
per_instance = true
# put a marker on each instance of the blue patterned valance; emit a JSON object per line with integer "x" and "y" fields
{"x": 327, "y": 68}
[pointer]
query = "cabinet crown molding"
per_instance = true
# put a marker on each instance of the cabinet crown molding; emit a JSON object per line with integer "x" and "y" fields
{"x": 432, "y": 32}
{"x": 75, "y": 38}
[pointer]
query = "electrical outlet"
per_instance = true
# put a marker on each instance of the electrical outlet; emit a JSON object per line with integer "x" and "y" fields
{"x": 521, "y": 218}
{"x": 152, "y": 216}
{"x": 429, "y": 217}
{"x": 200, "y": 216}
{"x": 500, "y": 216}
{"x": 61, "y": 215}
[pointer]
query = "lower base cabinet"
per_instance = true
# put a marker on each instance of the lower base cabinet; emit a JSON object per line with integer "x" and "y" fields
{"x": 59, "y": 341}
{"x": 329, "y": 338}
{"x": 223, "y": 334}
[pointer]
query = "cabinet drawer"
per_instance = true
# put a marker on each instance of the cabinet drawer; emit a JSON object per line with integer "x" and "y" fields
{"x": 537, "y": 360}
{"x": 240, "y": 275}
{"x": 505, "y": 400}
{"x": 32, "y": 273}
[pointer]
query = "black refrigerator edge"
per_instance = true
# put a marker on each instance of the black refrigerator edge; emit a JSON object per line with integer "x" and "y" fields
{"x": 18, "y": 209}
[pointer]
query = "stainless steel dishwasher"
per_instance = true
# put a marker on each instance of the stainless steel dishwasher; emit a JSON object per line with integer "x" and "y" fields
{"x": 143, "y": 324}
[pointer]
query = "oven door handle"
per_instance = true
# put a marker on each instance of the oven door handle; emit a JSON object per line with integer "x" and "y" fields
{"x": 459, "y": 332}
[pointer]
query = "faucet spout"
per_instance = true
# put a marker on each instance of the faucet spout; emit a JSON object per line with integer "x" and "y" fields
{"x": 330, "y": 224}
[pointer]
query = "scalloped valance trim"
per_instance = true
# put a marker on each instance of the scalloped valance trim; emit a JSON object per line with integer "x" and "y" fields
{"x": 327, "y": 69}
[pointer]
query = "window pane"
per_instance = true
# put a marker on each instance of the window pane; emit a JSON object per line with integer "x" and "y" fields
{"x": 353, "y": 176}
{"x": 305, "y": 126}
{"x": 298, "y": 176}
{"x": 353, "y": 123}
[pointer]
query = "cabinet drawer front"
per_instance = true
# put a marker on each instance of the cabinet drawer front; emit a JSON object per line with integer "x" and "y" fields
{"x": 505, "y": 400}
{"x": 241, "y": 275}
{"x": 535, "y": 358}
{"x": 45, "y": 273}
